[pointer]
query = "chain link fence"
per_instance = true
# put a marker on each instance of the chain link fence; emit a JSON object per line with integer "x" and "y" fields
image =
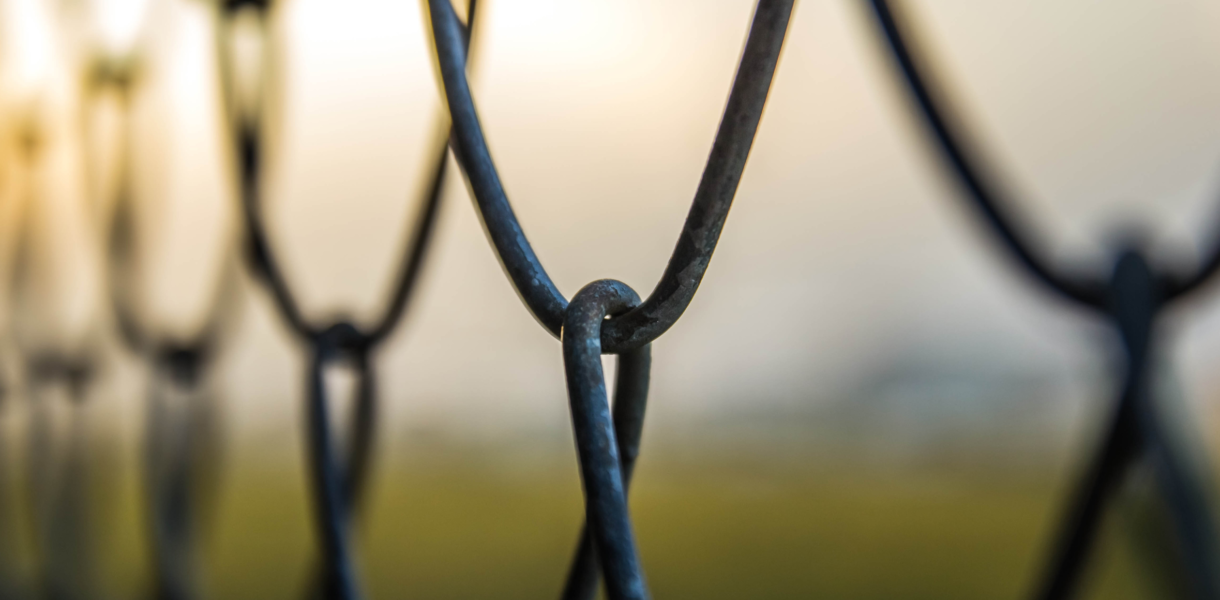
{"x": 604, "y": 317}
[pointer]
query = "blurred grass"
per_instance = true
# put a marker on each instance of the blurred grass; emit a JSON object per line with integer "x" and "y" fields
{"x": 468, "y": 528}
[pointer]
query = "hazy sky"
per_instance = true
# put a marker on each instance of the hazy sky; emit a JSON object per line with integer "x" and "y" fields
{"x": 847, "y": 252}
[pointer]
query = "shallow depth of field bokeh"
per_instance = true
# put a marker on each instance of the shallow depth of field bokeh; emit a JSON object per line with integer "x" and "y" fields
{"x": 865, "y": 399}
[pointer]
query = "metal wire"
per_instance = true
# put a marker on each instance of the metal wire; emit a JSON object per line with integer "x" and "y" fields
{"x": 181, "y": 419}
{"x": 601, "y": 468}
{"x": 57, "y": 474}
{"x": 582, "y": 325}
{"x": 1132, "y": 299}
{"x": 630, "y": 402}
{"x": 337, "y": 489}
{"x": 604, "y": 317}
{"x": 710, "y": 207}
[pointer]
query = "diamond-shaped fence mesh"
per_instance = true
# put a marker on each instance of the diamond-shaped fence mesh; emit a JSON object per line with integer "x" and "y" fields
{"x": 606, "y": 317}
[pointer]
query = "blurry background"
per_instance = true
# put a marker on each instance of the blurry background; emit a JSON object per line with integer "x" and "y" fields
{"x": 865, "y": 399}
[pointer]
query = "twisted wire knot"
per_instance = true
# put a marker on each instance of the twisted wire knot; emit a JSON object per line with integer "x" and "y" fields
{"x": 1135, "y": 297}
{"x": 232, "y": 6}
{"x": 183, "y": 363}
{"x": 342, "y": 339}
{"x": 606, "y": 443}
{"x": 75, "y": 372}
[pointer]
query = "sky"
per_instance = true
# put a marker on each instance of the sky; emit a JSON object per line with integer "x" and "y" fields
{"x": 848, "y": 256}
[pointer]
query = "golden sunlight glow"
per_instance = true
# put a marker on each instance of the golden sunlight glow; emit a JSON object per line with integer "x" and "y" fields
{"x": 28, "y": 48}
{"x": 118, "y": 24}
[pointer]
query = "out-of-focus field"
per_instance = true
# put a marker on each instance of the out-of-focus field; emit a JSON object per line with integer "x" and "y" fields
{"x": 470, "y": 528}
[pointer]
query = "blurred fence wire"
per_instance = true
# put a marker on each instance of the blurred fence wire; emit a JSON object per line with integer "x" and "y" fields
{"x": 1131, "y": 297}
{"x": 604, "y": 317}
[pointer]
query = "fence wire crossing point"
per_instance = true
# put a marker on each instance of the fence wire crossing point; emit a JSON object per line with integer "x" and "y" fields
{"x": 57, "y": 479}
{"x": 604, "y": 317}
{"x": 1131, "y": 298}
{"x": 337, "y": 489}
{"x": 632, "y": 325}
{"x": 181, "y": 419}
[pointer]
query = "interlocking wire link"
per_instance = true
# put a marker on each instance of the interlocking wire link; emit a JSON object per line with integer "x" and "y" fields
{"x": 1138, "y": 430}
{"x": 630, "y": 402}
{"x": 330, "y": 501}
{"x": 58, "y": 475}
{"x": 337, "y": 489}
{"x": 710, "y": 207}
{"x": 601, "y": 468}
{"x": 181, "y": 421}
{"x": 57, "y": 471}
{"x": 1132, "y": 299}
{"x": 604, "y": 317}
{"x": 180, "y": 464}
{"x": 607, "y": 317}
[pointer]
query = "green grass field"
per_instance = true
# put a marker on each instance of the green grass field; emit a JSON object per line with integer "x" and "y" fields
{"x": 473, "y": 526}
{"x": 470, "y": 530}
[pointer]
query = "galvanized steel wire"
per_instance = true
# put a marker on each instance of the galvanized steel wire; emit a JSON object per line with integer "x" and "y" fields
{"x": 604, "y": 317}
{"x": 628, "y": 332}
{"x": 631, "y": 325}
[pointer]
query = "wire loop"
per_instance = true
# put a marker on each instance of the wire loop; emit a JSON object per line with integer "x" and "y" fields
{"x": 1132, "y": 300}
{"x": 336, "y": 489}
{"x": 603, "y": 470}
{"x": 708, "y": 212}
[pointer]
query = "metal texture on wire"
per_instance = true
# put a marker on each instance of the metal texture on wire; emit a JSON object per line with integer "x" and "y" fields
{"x": 708, "y": 211}
{"x": 1131, "y": 298}
{"x": 607, "y": 317}
{"x": 632, "y": 326}
{"x": 604, "y": 317}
